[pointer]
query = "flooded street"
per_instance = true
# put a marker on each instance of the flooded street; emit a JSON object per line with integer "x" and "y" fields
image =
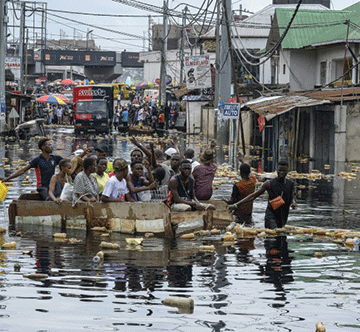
{"x": 256, "y": 284}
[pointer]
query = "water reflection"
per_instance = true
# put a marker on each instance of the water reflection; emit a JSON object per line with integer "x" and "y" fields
{"x": 277, "y": 269}
{"x": 253, "y": 285}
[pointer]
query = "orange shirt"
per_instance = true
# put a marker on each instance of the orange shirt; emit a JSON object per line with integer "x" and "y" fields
{"x": 242, "y": 189}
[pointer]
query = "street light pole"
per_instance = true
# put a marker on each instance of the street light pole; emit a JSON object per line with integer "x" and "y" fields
{"x": 87, "y": 39}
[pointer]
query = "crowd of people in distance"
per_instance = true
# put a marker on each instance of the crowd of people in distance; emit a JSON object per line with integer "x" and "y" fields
{"x": 59, "y": 114}
{"x": 146, "y": 113}
{"x": 180, "y": 181}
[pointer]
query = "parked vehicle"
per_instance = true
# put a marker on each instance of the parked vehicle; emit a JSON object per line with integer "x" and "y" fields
{"x": 93, "y": 108}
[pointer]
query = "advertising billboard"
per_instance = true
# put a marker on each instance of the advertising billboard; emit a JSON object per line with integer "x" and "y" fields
{"x": 80, "y": 58}
{"x": 197, "y": 71}
{"x": 131, "y": 59}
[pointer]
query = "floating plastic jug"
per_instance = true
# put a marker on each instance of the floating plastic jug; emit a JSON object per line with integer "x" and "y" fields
{"x": 3, "y": 191}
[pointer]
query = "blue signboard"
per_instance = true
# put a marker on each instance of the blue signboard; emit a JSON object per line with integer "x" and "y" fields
{"x": 231, "y": 111}
{"x": 2, "y": 106}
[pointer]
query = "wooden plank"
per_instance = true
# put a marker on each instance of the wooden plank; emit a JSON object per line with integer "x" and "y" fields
{"x": 12, "y": 211}
{"x": 179, "y": 217}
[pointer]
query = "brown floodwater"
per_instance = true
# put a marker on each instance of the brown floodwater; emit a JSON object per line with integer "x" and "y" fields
{"x": 261, "y": 284}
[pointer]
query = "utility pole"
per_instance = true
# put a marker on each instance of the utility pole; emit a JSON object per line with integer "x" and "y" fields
{"x": 162, "y": 91}
{"x": 4, "y": 19}
{"x": 26, "y": 60}
{"x": 21, "y": 45}
{"x": 218, "y": 52}
{"x": 236, "y": 87}
{"x": 182, "y": 54}
{"x": 224, "y": 80}
{"x": 149, "y": 33}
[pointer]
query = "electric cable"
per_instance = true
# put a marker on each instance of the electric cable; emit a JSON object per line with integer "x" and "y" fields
{"x": 99, "y": 36}
{"x": 278, "y": 43}
{"x": 99, "y": 14}
{"x": 97, "y": 27}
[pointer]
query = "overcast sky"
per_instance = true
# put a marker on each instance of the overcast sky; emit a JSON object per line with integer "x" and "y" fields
{"x": 130, "y": 25}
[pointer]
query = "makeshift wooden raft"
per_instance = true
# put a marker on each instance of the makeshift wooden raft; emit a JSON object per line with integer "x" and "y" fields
{"x": 129, "y": 218}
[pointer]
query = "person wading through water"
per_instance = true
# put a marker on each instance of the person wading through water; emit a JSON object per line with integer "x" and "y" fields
{"x": 281, "y": 197}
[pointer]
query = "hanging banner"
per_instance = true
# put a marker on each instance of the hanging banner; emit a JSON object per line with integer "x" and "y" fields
{"x": 261, "y": 121}
{"x": 13, "y": 63}
{"x": 198, "y": 73}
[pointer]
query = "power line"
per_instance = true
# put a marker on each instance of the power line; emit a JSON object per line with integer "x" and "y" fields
{"x": 99, "y": 14}
{"x": 270, "y": 52}
{"x": 102, "y": 37}
{"x": 96, "y": 26}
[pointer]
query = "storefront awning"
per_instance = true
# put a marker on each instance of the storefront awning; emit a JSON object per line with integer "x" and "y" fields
{"x": 269, "y": 107}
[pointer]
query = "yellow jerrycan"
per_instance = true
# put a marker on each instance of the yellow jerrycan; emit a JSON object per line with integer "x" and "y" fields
{"x": 3, "y": 191}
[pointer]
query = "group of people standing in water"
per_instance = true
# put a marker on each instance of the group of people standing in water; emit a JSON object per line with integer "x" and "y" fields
{"x": 186, "y": 182}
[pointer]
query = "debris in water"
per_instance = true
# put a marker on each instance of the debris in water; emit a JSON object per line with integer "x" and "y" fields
{"x": 185, "y": 305}
{"x": 60, "y": 235}
{"x": 189, "y": 236}
{"x": 108, "y": 245}
{"x": 320, "y": 327}
{"x": 36, "y": 276}
{"x": 134, "y": 241}
{"x": 99, "y": 257}
{"x": 9, "y": 246}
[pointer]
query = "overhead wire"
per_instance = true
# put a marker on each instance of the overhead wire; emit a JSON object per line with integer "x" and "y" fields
{"x": 99, "y": 36}
{"x": 269, "y": 53}
{"x": 99, "y": 14}
{"x": 96, "y": 26}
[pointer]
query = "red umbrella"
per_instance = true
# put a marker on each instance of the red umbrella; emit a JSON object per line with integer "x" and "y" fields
{"x": 62, "y": 97}
{"x": 67, "y": 82}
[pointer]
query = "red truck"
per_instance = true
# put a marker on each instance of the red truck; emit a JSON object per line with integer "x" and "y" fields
{"x": 93, "y": 108}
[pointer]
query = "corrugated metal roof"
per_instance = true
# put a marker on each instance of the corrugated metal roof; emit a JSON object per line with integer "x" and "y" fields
{"x": 197, "y": 98}
{"x": 272, "y": 106}
{"x": 339, "y": 32}
{"x": 333, "y": 95}
{"x": 308, "y": 25}
{"x": 263, "y": 16}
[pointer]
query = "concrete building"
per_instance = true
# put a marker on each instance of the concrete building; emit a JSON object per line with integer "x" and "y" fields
{"x": 316, "y": 126}
{"x": 251, "y": 36}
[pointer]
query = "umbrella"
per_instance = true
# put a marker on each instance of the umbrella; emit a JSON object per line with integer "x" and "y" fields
{"x": 50, "y": 99}
{"x": 62, "y": 97}
{"x": 11, "y": 83}
{"x": 40, "y": 80}
{"x": 146, "y": 84}
{"x": 67, "y": 82}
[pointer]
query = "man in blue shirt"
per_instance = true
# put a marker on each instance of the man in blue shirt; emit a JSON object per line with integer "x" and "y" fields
{"x": 44, "y": 165}
{"x": 125, "y": 114}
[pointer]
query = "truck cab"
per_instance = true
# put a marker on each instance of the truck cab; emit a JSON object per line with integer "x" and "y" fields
{"x": 93, "y": 108}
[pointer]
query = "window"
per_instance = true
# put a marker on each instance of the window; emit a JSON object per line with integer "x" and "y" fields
{"x": 284, "y": 69}
{"x": 323, "y": 73}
